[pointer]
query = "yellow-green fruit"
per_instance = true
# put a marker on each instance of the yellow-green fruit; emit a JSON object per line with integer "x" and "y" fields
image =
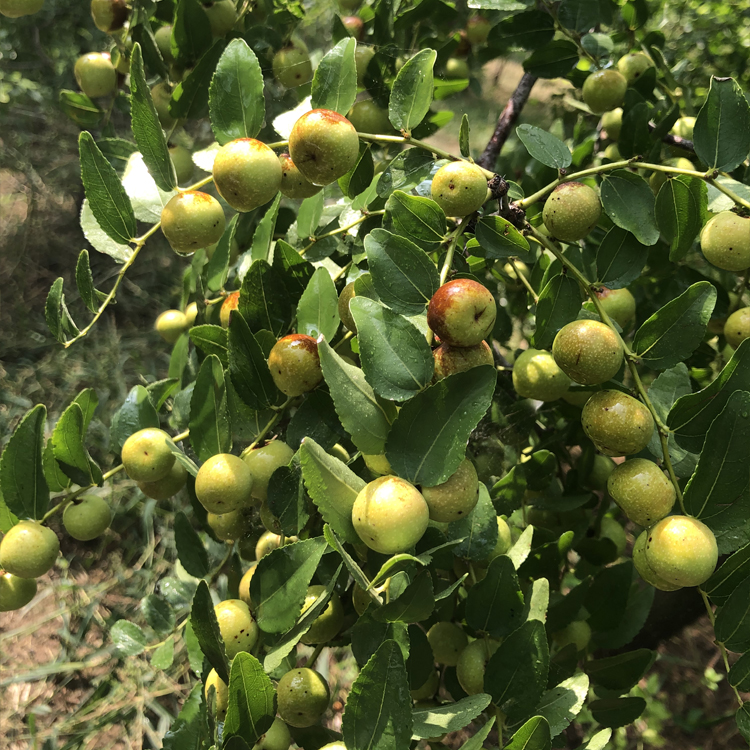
{"x": 167, "y": 486}
{"x": 478, "y": 29}
{"x": 222, "y": 16}
{"x": 262, "y": 462}
{"x": 725, "y": 241}
{"x": 120, "y": 60}
{"x": 633, "y": 66}
{"x": 109, "y": 15}
{"x": 192, "y": 220}
{"x": 577, "y": 633}
{"x": 231, "y": 302}
{"x": 642, "y": 491}
{"x": 161, "y": 95}
{"x": 457, "y": 68}
{"x": 224, "y": 483}
{"x": 472, "y": 664}
{"x": 377, "y": 463}
{"x": 504, "y": 540}
{"x": 367, "y": 117}
{"x": 683, "y": 128}
{"x": 536, "y": 375}
{"x": 87, "y": 517}
{"x": 277, "y": 737}
{"x": 456, "y": 497}
{"x": 222, "y": 693}
{"x": 612, "y": 123}
{"x": 28, "y": 550}
{"x": 604, "y": 90}
{"x": 268, "y": 542}
{"x": 588, "y": 351}
{"x": 324, "y": 146}
{"x": 191, "y": 313}
{"x": 459, "y": 188}
{"x": 362, "y": 56}
{"x": 15, "y": 592}
{"x": 183, "y": 163}
{"x": 303, "y": 697}
{"x": 268, "y": 519}
{"x": 238, "y": 629}
{"x": 245, "y": 584}
{"x": 95, "y": 74}
{"x": 617, "y": 424}
{"x": 163, "y": 37}
{"x": 347, "y": 293}
{"x": 447, "y": 641}
{"x": 390, "y": 515}
{"x": 228, "y": 526}
{"x": 462, "y": 312}
{"x": 619, "y": 304}
{"x": 292, "y": 66}
{"x": 18, "y": 8}
{"x": 354, "y": 26}
{"x": 294, "y": 184}
{"x": 428, "y": 689}
{"x": 452, "y": 359}
{"x": 682, "y": 551}
{"x": 613, "y": 531}
{"x": 360, "y": 599}
{"x": 612, "y": 152}
{"x": 325, "y": 627}
{"x": 247, "y": 174}
{"x": 657, "y": 179}
{"x": 572, "y": 211}
{"x": 601, "y": 469}
{"x": 170, "y": 325}
{"x": 295, "y": 364}
{"x": 644, "y": 569}
{"x": 147, "y": 455}
{"x": 737, "y": 327}
{"x": 577, "y": 398}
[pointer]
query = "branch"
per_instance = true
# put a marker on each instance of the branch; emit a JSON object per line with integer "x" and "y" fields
{"x": 508, "y": 117}
{"x": 675, "y": 140}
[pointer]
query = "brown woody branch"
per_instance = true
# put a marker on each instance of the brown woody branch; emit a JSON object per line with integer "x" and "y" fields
{"x": 675, "y": 140}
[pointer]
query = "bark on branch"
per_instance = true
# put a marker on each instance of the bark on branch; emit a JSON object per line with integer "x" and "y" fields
{"x": 675, "y": 140}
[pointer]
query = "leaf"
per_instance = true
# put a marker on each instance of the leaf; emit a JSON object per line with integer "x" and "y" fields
{"x": 106, "y": 196}
{"x": 163, "y": 656}
{"x": 579, "y": 15}
{"x": 287, "y": 499}
{"x": 99, "y": 239}
{"x": 251, "y": 700}
{"x": 217, "y": 269}
{"x": 619, "y": 259}
{"x": 127, "y": 638}
{"x": 463, "y": 136}
{"x": 334, "y": 84}
{"x": 411, "y": 94}
{"x": 559, "y": 304}
{"x": 404, "y": 277}
{"x": 190, "y": 98}
{"x": 620, "y": 672}
{"x": 190, "y": 728}
{"x": 85, "y": 282}
{"x": 206, "y": 629}
{"x": 544, "y": 147}
{"x": 190, "y": 550}
{"x": 210, "y": 431}
{"x": 316, "y": 418}
{"x": 675, "y": 331}
{"x": 318, "y": 308}
{"x": 617, "y": 712}
{"x": 739, "y": 674}
{"x": 428, "y": 439}
{"x": 519, "y": 552}
{"x": 563, "y": 703}
{"x": 359, "y": 577}
{"x": 415, "y": 604}
{"x": 742, "y": 717}
{"x": 495, "y": 604}
{"x": 79, "y": 108}
{"x": 431, "y": 722}
{"x": 136, "y": 413}
{"x": 607, "y": 597}
{"x": 191, "y": 32}
{"x": 333, "y": 487}
{"x": 730, "y": 575}
{"x": 158, "y": 613}
{"x": 293, "y": 269}
{"x": 279, "y": 584}
{"x": 263, "y": 235}
{"x": 24, "y": 487}
{"x": 418, "y": 219}
{"x": 405, "y": 171}
{"x": 530, "y": 30}
{"x": 146, "y": 127}
{"x": 263, "y": 300}
{"x": 680, "y": 210}
{"x": 500, "y": 239}
{"x": 629, "y": 202}
{"x": 478, "y": 530}
{"x": 69, "y": 450}
{"x": 248, "y": 367}
{"x": 600, "y": 741}
{"x": 236, "y": 104}
{"x": 56, "y": 313}
{"x": 361, "y": 414}
{"x": 212, "y": 339}
{"x": 722, "y": 128}
{"x": 533, "y": 735}
{"x": 553, "y": 60}
{"x": 359, "y": 177}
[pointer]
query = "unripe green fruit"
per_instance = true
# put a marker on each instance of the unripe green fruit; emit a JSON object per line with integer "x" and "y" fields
{"x": 725, "y": 241}
{"x": 644, "y": 569}
{"x": 18, "y": 8}
{"x": 109, "y": 15}
{"x": 294, "y": 184}
{"x": 87, "y": 517}
{"x": 324, "y": 146}
{"x": 367, "y": 117}
{"x": 604, "y": 90}
{"x": 303, "y": 697}
{"x": 459, "y": 188}
{"x": 277, "y": 737}
{"x": 229, "y": 527}
{"x": 120, "y": 60}
{"x": 536, "y": 375}
{"x": 347, "y": 293}
{"x": 362, "y": 56}
{"x": 167, "y": 486}
{"x": 390, "y": 515}
{"x": 378, "y": 463}
{"x": 457, "y": 68}
{"x": 683, "y": 128}
{"x": 472, "y": 664}
{"x": 222, "y": 693}
{"x": 633, "y": 66}
{"x": 619, "y": 304}
{"x": 268, "y": 542}
{"x": 612, "y": 530}
{"x": 360, "y": 599}
{"x": 428, "y": 689}
{"x": 15, "y": 592}
{"x": 268, "y": 519}
{"x": 452, "y": 359}
{"x": 612, "y": 123}
{"x": 222, "y": 16}
{"x": 737, "y": 327}
{"x": 244, "y": 587}
{"x": 447, "y": 641}
{"x": 601, "y": 470}
{"x": 478, "y": 29}
{"x": 170, "y": 325}
{"x": 191, "y": 313}
{"x": 657, "y": 179}
{"x": 237, "y": 627}
{"x": 183, "y": 163}
{"x": 354, "y": 26}
{"x": 504, "y": 540}
{"x": 161, "y": 95}
{"x": 682, "y": 551}
{"x": 147, "y": 455}
{"x": 577, "y": 633}
{"x": 247, "y": 174}
{"x": 577, "y": 398}
{"x": 263, "y": 462}
{"x": 327, "y": 625}
{"x": 292, "y": 66}
{"x": 192, "y": 220}
{"x": 456, "y": 497}
{"x": 617, "y": 424}
{"x": 612, "y": 152}
{"x": 224, "y": 484}
{"x": 572, "y": 211}
{"x": 462, "y": 312}
{"x": 642, "y": 491}
{"x": 163, "y": 37}
{"x": 230, "y": 303}
{"x": 28, "y": 550}
{"x": 95, "y": 74}
{"x": 588, "y": 351}
{"x": 295, "y": 364}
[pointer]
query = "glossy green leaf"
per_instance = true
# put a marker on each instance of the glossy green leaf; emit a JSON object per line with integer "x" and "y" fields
{"x": 411, "y": 95}
{"x": 629, "y": 202}
{"x": 529, "y": 30}
{"x": 357, "y": 574}
{"x": 418, "y": 219}
{"x": 359, "y": 177}
{"x": 69, "y": 449}
{"x": 318, "y": 308}
{"x": 463, "y": 136}
{"x": 264, "y": 232}
{"x": 553, "y": 60}
{"x": 607, "y": 597}
{"x": 287, "y": 499}
{"x": 190, "y": 98}
{"x": 210, "y": 431}
{"x": 56, "y": 313}
{"x": 248, "y": 368}
{"x": 79, "y": 108}
{"x": 729, "y": 576}
{"x": 600, "y": 741}
{"x": 206, "y": 629}
{"x": 127, "y": 638}
{"x": 263, "y": 301}
{"x": 56, "y": 480}
{"x": 212, "y": 339}
{"x": 163, "y": 656}
{"x": 620, "y": 672}
{"x": 495, "y": 604}
{"x": 739, "y": 674}
{"x": 136, "y": 413}
{"x": 158, "y": 613}
{"x": 680, "y": 213}
{"x": 617, "y": 712}
{"x": 334, "y": 84}
{"x": 544, "y": 147}
{"x": 406, "y": 170}
{"x": 563, "y": 703}
{"x": 431, "y": 722}
{"x": 190, "y": 550}
{"x": 533, "y": 735}
{"x": 251, "y": 700}
{"x": 500, "y": 239}
{"x": 85, "y": 282}
{"x": 316, "y": 418}
{"x": 619, "y": 259}
{"x": 579, "y": 15}
{"x": 191, "y": 32}
{"x": 558, "y": 305}
{"x": 415, "y": 604}
{"x": 293, "y": 269}
{"x": 742, "y": 717}
{"x": 190, "y": 728}
{"x": 478, "y": 530}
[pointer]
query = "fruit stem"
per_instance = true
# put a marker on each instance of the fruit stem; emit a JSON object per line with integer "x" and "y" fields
{"x": 271, "y": 422}
{"x": 310, "y": 663}
{"x": 522, "y": 278}
{"x": 199, "y": 184}
{"x": 341, "y": 230}
{"x": 278, "y": 144}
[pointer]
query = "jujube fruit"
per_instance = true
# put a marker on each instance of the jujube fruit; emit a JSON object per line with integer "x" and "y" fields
{"x": 572, "y": 211}
{"x": 462, "y": 312}
{"x": 472, "y": 664}
{"x": 612, "y": 530}
{"x": 452, "y": 359}
{"x": 588, "y": 351}
{"x": 87, "y": 517}
{"x": 147, "y": 455}
{"x": 617, "y": 424}
{"x": 619, "y": 304}
{"x": 504, "y": 541}
{"x": 642, "y": 490}
{"x": 303, "y": 697}
{"x": 192, "y": 220}
{"x": 327, "y": 625}
{"x": 657, "y": 179}
{"x": 191, "y": 313}
{"x": 456, "y": 497}
{"x": 244, "y": 587}
{"x": 354, "y": 26}
{"x": 362, "y": 56}
{"x": 262, "y": 462}
{"x": 183, "y": 163}
{"x": 612, "y": 123}
{"x": 604, "y": 90}
{"x": 237, "y": 626}
{"x": 28, "y": 550}
{"x": 536, "y": 375}
{"x": 347, "y": 293}
{"x": 456, "y": 68}
{"x": 292, "y": 67}
{"x": 95, "y": 74}
{"x": 577, "y": 632}
{"x": 377, "y": 463}
{"x": 231, "y": 302}
{"x": 478, "y": 29}
{"x": 163, "y": 38}
{"x": 109, "y": 15}
{"x": 161, "y": 95}
{"x": 368, "y": 117}
{"x": 221, "y": 691}
{"x": 170, "y": 325}
{"x": 459, "y": 188}
{"x": 601, "y": 469}
{"x": 168, "y": 485}
{"x": 683, "y": 128}
{"x": 224, "y": 484}
{"x": 633, "y": 66}
{"x": 612, "y": 152}
{"x": 294, "y": 184}
{"x": 222, "y": 16}
{"x": 228, "y": 526}
{"x": 268, "y": 542}
{"x": 247, "y": 174}
{"x": 277, "y": 737}
{"x": 428, "y": 688}
{"x": 447, "y": 641}
{"x": 737, "y": 327}
{"x": 15, "y": 592}
{"x": 725, "y": 241}
{"x": 19, "y": 8}
{"x": 643, "y": 567}
{"x": 295, "y": 364}
{"x": 268, "y": 519}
